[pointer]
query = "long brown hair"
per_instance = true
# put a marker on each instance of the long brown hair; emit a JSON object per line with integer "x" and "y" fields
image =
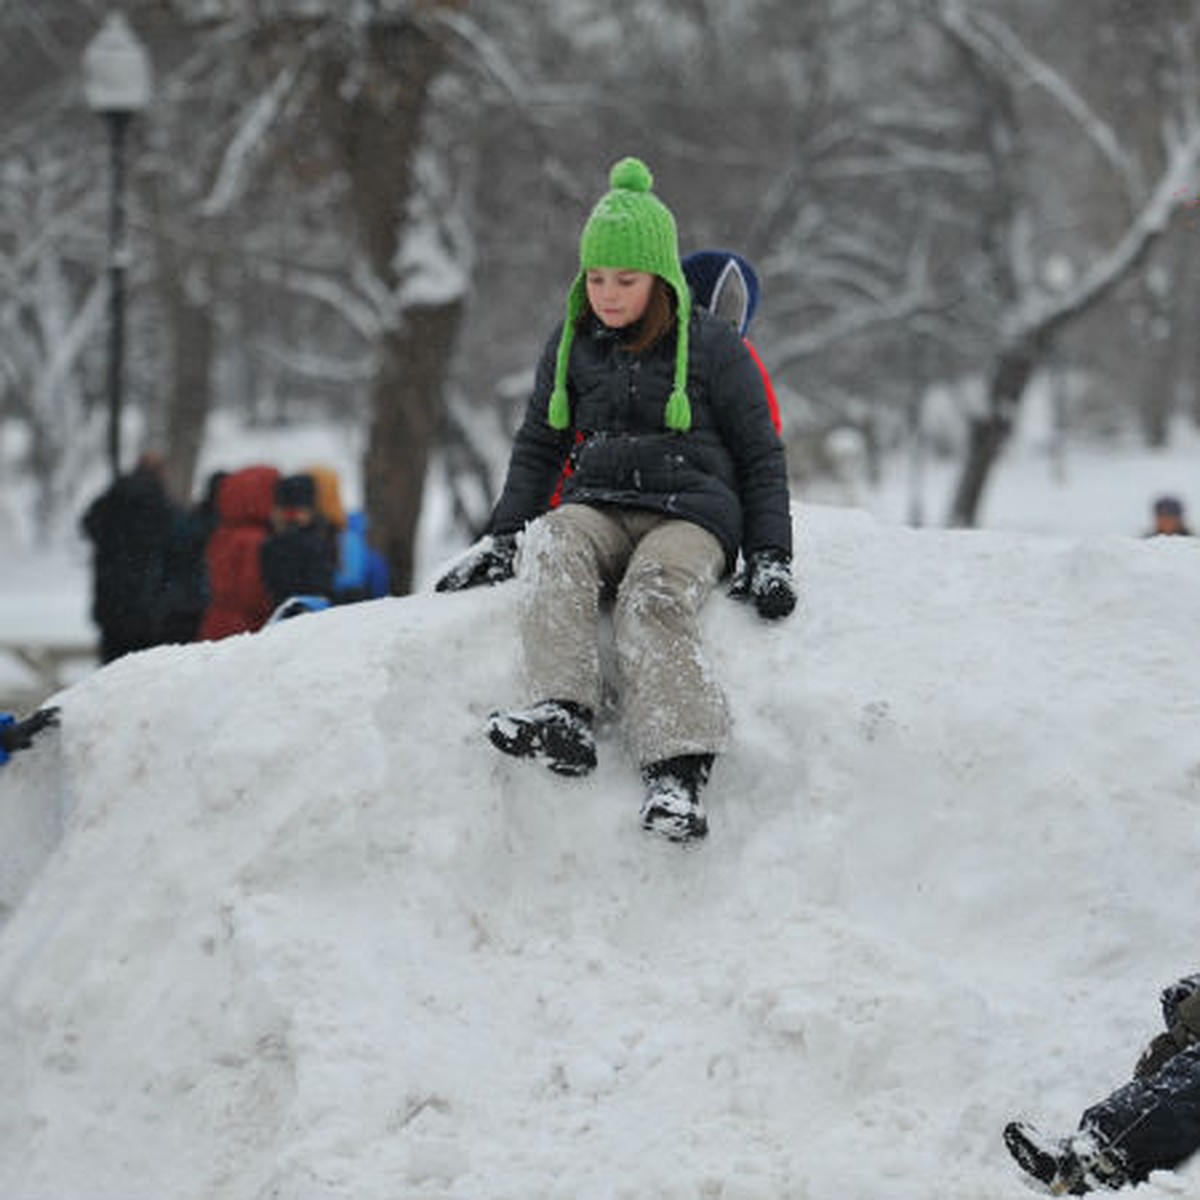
{"x": 656, "y": 322}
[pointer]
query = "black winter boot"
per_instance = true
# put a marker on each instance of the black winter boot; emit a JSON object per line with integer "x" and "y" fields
{"x": 556, "y": 732}
{"x": 672, "y": 806}
{"x": 1068, "y": 1166}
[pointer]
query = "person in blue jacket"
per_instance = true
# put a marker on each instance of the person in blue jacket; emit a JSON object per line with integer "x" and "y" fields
{"x": 362, "y": 572}
{"x": 18, "y": 735}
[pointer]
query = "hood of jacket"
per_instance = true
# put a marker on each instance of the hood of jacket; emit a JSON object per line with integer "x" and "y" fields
{"x": 329, "y": 494}
{"x": 246, "y": 497}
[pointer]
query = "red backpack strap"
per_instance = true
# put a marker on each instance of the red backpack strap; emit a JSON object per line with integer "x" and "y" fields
{"x": 768, "y": 387}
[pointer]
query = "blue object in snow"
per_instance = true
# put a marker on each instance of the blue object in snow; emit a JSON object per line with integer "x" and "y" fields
{"x": 296, "y": 606}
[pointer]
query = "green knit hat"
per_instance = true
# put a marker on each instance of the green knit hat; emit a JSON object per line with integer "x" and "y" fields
{"x": 630, "y": 228}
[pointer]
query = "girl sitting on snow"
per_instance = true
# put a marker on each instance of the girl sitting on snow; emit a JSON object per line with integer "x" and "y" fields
{"x": 676, "y": 466}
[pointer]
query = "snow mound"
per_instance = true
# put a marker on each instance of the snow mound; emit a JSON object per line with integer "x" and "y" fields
{"x": 282, "y": 924}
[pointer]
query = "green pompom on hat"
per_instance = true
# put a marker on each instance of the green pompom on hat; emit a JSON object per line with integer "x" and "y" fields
{"x": 631, "y": 229}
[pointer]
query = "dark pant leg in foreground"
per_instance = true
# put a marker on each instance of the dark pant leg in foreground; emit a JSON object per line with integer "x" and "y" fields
{"x": 1154, "y": 1122}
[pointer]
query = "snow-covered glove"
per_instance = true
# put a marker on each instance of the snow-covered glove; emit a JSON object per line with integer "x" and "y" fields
{"x": 18, "y": 735}
{"x": 1181, "y": 1005}
{"x": 1181, "y": 1015}
{"x": 490, "y": 560}
{"x": 769, "y": 583}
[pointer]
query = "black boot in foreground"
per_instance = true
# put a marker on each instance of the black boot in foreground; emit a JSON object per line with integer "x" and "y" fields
{"x": 672, "y": 807}
{"x": 1067, "y": 1166}
{"x": 557, "y": 733}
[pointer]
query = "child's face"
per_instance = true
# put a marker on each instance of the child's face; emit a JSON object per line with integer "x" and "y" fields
{"x": 617, "y": 296}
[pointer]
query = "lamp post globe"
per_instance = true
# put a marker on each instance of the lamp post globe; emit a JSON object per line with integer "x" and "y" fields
{"x": 116, "y": 85}
{"x": 116, "y": 69}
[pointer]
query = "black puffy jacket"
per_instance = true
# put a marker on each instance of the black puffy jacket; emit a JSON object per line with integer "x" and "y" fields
{"x": 727, "y": 474}
{"x": 130, "y": 526}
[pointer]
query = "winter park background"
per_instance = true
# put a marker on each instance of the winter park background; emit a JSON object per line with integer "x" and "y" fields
{"x": 276, "y": 923}
{"x": 279, "y": 922}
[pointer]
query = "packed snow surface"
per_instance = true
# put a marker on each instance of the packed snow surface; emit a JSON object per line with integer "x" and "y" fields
{"x": 280, "y": 923}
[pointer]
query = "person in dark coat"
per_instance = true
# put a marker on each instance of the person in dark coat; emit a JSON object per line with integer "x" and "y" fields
{"x": 300, "y": 555}
{"x": 186, "y": 596}
{"x": 20, "y": 734}
{"x": 1151, "y": 1123}
{"x": 1170, "y": 519}
{"x": 676, "y": 467}
{"x": 129, "y": 526}
{"x": 239, "y": 601}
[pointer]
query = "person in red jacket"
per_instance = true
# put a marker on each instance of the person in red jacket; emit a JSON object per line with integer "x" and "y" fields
{"x": 239, "y": 601}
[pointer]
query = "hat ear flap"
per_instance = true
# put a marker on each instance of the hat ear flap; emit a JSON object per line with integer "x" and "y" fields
{"x": 678, "y": 414}
{"x": 559, "y": 412}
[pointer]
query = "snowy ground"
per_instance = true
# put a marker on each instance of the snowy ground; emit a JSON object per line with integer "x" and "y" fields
{"x": 281, "y": 924}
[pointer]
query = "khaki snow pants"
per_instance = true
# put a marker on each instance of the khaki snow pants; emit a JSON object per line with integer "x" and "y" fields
{"x": 660, "y": 571}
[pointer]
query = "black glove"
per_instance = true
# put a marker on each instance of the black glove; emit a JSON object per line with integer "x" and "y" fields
{"x": 1181, "y": 1015}
{"x": 491, "y": 560}
{"x": 768, "y": 582}
{"x": 1156, "y": 1055}
{"x": 19, "y": 735}
{"x": 739, "y": 585}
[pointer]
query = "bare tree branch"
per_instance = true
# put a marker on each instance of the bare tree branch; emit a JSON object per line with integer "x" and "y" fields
{"x": 249, "y": 143}
{"x": 1044, "y": 314}
{"x": 996, "y": 43}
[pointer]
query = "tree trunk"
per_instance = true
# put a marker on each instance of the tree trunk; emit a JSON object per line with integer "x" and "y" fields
{"x": 1155, "y": 375}
{"x": 989, "y": 432}
{"x": 1185, "y": 351}
{"x": 189, "y": 394}
{"x": 406, "y": 407}
{"x": 373, "y": 108}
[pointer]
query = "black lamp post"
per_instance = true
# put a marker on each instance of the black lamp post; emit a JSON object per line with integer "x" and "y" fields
{"x": 116, "y": 83}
